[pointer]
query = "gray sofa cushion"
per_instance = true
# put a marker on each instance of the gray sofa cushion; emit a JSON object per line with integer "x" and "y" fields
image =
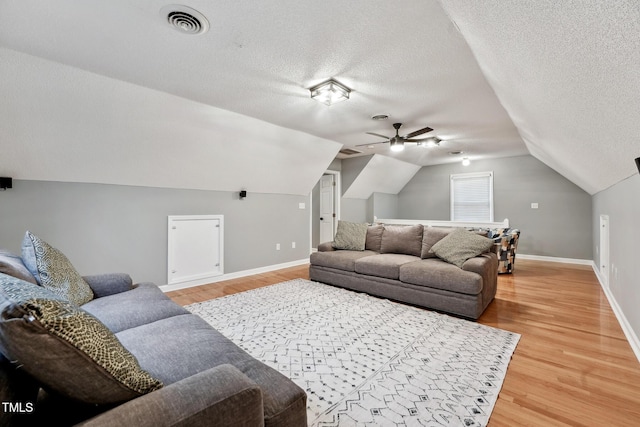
{"x": 435, "y": 273}
{"x": 144, "y": 304}
{"x": 374, "y": 238}
{"x": 351, "y": 236}
{"x": 103, "y": 285}
{"x": 176, "y": 348}
{"x": 66, "y": 349}
{"x": 342, "y": 260}
{"x": 383, "y": 265}
{"x": 402, "y": 239}
{"x": 53, "y": 270}
{"x": 460, "y": 245}
{"x": 12, "y": 265}
{"x": 431, "y": 236}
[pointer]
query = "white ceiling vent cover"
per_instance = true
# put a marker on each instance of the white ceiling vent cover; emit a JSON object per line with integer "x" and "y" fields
{"x": 185, "y": 19}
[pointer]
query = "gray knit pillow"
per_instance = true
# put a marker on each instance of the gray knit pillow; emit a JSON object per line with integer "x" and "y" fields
{"x": 54, "y": 271}
{"x": 65, "y": 348}
{"x": 351, "y": 236}
{"x": 460, "y": 245}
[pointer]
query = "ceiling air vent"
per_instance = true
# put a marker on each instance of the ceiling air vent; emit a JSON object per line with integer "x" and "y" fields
{"x": 185, "y": 19}
{"x": 349, "y": 151}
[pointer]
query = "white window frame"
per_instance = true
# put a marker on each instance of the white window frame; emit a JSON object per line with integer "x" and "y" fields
{"x": 453, "y": 177}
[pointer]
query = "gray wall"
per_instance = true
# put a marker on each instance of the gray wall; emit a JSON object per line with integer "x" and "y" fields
{"x": 351, "y": 168}
{"x": 384, "y": 205}
{"x": 622, "y": 204}
{"x": 354, "y": 210}
{"x": 560, "y": 227}
{"x": 109, "y": 228}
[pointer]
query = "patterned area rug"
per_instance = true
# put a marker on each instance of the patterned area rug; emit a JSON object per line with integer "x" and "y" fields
{"x": 365, "y": 361}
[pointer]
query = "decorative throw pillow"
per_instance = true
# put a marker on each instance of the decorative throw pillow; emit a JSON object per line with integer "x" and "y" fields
{"x": 351, "y": 236}
{"x": 13, "y": 266}
{"x": 460, "y": 245}
{"x": 430, "y": 237}
{"x": 53, "y": 271}
{"x": 402, "y": 239}
{"x": 66, "y": 349}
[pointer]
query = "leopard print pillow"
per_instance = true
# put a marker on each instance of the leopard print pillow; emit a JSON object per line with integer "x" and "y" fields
{"x": 54, "y": 326}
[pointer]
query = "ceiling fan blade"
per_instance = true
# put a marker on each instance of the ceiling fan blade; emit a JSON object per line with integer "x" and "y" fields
{"x": 372, "y": 143}
{"x": 417, "y": 132}
{"x": 378, "y": 135}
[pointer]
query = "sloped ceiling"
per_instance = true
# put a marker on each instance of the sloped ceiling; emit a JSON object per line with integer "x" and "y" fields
{"x": 568, "y": 74}
{"x": 77, "y": 126}
{"x": 381, "y": 174}
{"x": 557, "y": 79}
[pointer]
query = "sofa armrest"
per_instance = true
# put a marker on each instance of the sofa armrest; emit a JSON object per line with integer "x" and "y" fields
{"x": 326, "y": 247}
{"x": 481, "y": 263}
{"x": 220, "y": 396}
{"x": 104, "y": 285}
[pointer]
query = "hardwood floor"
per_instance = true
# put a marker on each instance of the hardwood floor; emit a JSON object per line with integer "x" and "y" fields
{"x": 573, "y": 365}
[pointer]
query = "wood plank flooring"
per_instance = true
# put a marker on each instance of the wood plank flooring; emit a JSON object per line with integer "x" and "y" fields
{"x": 573, "y": 365}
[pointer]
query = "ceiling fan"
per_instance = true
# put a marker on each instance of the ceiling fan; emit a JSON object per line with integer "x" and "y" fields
{"x": 397, "y": 142}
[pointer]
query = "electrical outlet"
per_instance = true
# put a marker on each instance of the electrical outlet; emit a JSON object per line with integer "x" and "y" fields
{"x": 277, "y": 246}
{"x": 534, "y": 206}
{"x": 293, "y": 245}
{"x": 302, "y": 205}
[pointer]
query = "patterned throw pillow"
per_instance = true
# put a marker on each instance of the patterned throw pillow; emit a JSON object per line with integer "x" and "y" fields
{"x": 351, "y": 236}
{"x": 53, "y": 271}
{"x": 65, "y": 348}
{"x": 460, "y": 245}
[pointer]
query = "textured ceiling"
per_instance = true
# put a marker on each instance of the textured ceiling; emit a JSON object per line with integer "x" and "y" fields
{"x": 558, "y": 76}
{"x": 568, "y": 73}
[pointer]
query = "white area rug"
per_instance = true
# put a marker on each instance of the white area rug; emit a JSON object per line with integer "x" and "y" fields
{"x": 365, "y": 361}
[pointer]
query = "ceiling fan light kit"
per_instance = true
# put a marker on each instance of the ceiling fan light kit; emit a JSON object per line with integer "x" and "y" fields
{"x": 397, "y": 146}
{"x": 330, "y": 92}
{"x": 396, "y": 143}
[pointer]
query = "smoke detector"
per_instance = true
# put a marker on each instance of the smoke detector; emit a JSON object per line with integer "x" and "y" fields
{"x": 185, "y": 19}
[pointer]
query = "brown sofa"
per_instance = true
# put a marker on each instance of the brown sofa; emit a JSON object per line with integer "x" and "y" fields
{"x": 397, "y": 264}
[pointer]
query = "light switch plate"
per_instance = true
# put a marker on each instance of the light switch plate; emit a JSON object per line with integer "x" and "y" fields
{"x": 534, "y": 206}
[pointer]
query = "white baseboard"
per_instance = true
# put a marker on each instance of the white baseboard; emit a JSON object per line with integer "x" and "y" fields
{"x": 554, "y": 259}
{"x": 235, "y": 275}
{"x": 629, "y": 333}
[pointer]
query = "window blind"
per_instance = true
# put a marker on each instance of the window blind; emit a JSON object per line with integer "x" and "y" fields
{"x": 472, "y": 197}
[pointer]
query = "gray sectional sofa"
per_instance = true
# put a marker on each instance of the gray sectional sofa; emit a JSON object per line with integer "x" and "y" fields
{"x": 397, "y": 262}
{"x": 201, "y": 378}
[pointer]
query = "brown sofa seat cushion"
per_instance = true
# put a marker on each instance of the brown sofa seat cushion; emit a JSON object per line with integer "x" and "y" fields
{"x": 383, "y": 265}
{"x": 339, "y": 259}
{"x": 402, "y": 239}
{"x": 435, "y": 273}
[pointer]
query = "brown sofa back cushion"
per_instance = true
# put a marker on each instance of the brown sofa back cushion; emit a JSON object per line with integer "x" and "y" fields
{"x": 431, "y": 236}
{"x": 402, "y": 239}
{"x": 374, "y": 238}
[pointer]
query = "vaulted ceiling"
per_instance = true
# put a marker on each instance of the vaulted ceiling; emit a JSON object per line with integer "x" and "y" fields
{"x": 109, "y": 88}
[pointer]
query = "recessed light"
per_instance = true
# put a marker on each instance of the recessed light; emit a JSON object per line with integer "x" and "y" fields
{"x": 379, "y": 117}
{"x": 455, "y": 153}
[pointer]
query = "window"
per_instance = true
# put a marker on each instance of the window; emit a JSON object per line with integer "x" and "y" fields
{"x": 472, "y": 197}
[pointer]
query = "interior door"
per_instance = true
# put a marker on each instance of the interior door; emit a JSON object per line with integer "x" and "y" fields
{"x": 327, "y": 215}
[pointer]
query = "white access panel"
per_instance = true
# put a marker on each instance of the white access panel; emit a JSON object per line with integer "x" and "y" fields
{"x": 195, "y": 247}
